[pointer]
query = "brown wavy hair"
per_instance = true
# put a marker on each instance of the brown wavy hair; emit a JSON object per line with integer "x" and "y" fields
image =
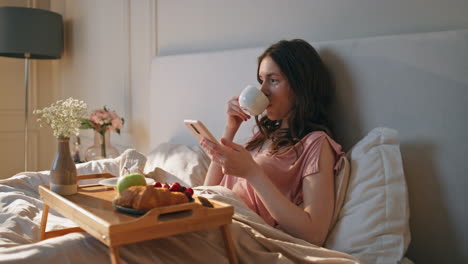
{"x": 313, "y": 91}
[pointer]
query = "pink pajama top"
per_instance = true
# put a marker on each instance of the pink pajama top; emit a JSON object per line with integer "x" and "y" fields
{"x": 285, "y": 169}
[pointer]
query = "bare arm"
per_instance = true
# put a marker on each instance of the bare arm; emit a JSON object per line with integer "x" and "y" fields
{"x": 310, "y": 223}
{"x": 215, "y": 172}
{"x": 235, "y": 117}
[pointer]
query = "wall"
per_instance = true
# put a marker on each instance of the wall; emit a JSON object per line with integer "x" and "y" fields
{"x": 108, "y": 49}
{"x": 190, "y": 26}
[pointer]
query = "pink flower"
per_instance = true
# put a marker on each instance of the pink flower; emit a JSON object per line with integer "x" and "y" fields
{"x": 117, "y": 123}
{"x": 94, "y": 118}
{"x": 102, "y": 120}
{"x": 113, "y": 115}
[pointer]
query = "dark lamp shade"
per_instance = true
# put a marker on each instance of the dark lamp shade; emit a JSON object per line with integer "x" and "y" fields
{"x": 29, "y": 30}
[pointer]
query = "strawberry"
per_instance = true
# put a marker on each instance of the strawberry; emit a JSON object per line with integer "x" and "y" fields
{"x": 157, "y": 185}
{"x": 175, "y": 187}
{"x": 189, "y": 196}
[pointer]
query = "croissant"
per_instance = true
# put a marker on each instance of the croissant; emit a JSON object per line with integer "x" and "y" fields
{"x": 148, "y": 197}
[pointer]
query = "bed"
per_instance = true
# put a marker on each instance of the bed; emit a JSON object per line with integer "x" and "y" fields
{"x": 399, "y": 115}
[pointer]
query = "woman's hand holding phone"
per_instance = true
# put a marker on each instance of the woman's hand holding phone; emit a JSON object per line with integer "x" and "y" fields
{"x": 199, "y": 130}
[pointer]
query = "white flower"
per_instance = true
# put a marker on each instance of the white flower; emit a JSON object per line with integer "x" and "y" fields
{"x": 64, "y": 117}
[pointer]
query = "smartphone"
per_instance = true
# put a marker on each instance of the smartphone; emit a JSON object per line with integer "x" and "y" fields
{"x": 199, "y": 130}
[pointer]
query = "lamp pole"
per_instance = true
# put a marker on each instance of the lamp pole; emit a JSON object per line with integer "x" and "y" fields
{"x": 26, "y": 108}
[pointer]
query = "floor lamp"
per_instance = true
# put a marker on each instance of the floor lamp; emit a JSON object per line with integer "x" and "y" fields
{"x": 30, "y": 33}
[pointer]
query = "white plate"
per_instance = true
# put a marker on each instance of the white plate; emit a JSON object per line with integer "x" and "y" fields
{"x": 113, "y": 181}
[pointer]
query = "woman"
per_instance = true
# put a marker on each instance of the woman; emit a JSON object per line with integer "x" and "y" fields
{"x": 286, "y": 171}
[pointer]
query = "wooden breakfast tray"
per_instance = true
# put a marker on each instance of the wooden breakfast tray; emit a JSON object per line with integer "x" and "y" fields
{"x": 92, "y": 210}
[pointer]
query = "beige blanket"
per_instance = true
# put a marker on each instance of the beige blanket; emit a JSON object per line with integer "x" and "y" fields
{"x": 254, "y": 240}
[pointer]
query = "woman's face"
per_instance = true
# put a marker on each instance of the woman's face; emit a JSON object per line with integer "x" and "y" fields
{"x": 275, "y": 86}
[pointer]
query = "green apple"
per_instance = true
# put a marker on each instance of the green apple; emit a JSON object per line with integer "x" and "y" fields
{"x": 128, "y": 180}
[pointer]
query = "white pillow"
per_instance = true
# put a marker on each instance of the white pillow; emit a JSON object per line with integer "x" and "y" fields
{"x": 373, "y": 224}
{"x": 129, "y": 161}
{"x": 177, "y": 163}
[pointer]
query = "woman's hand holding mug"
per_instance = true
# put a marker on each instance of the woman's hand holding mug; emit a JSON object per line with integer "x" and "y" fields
{"x": 251, "y": 101}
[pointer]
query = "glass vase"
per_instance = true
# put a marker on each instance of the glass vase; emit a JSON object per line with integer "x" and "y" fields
{"x": 102, "y": 148}
{"x": 63, "y": 173}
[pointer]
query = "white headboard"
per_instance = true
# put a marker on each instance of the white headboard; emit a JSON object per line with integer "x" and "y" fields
{"x": 417, "y": 84}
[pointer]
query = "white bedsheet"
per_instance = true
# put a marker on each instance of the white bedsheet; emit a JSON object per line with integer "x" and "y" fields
{"x": 254, "y": 240}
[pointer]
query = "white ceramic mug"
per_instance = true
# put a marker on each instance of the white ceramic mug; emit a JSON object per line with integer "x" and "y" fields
{"x": 253, "y": 101}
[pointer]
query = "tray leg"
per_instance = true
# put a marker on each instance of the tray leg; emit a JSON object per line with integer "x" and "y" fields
{"x": 45, "y": 214}
{"x": 114, "y": 255}
{"x": 230, "y": 250}
{"x": 61, "y": 232}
